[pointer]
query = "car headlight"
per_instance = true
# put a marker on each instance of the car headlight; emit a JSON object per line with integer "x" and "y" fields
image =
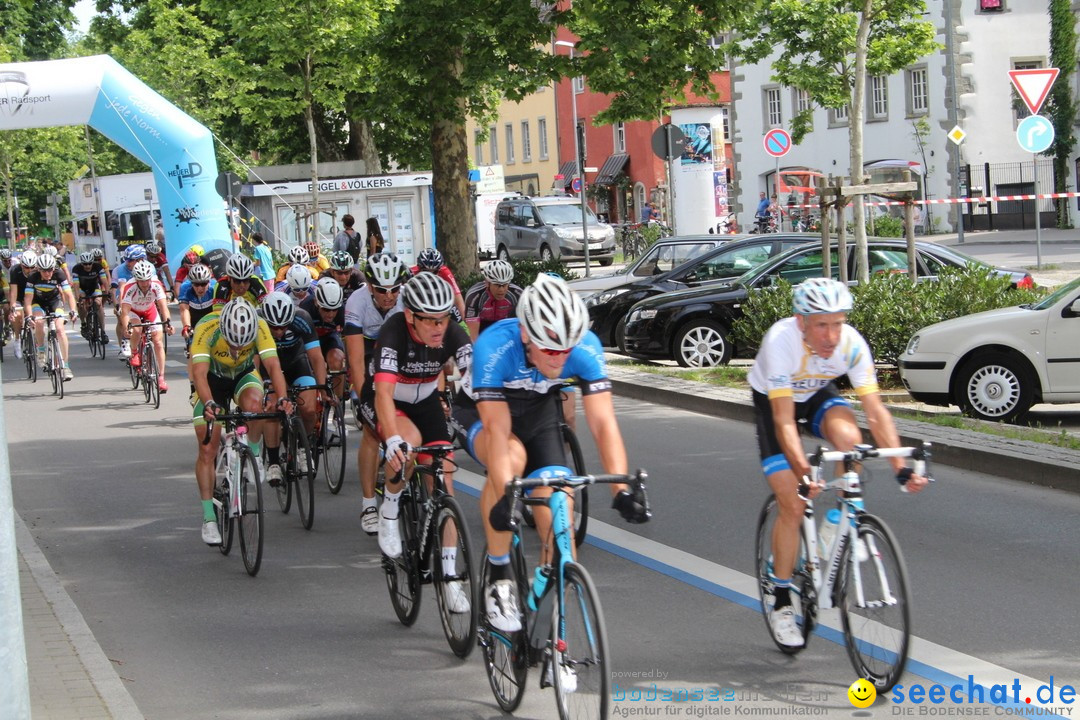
{"x": 913, "y": 345}
{"x": 646, "y": 314}
{"x": 604, "y": 297}
{"x": 564, "y": 233}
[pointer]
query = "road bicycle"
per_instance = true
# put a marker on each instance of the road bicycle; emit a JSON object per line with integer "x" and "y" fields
{"x": 145, "y": 372}
{"x": 297, "y": 465}
{"x": 6, "y": 335}
{"x": 330, "y": 441}
{"x": 92, "y": 329}
{"x": 565, "y": 633}
{"x": 29, "y": 348}
{"x": 54, "y": 358}
{"x": 238, "y": 487}
{"x": 431, "y": 523}
{"x": 861, "y": 571}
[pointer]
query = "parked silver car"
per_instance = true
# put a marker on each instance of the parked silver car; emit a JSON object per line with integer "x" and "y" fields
{"x": 549, "y": 227}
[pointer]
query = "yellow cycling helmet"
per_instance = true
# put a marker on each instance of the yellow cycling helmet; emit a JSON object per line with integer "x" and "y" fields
{"x": 198, "y": 250}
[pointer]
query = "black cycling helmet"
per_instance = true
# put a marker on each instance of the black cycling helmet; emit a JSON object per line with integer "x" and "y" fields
{"x": 429, "y": 259}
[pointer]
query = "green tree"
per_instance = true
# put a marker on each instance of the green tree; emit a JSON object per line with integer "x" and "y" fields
{"x": 1060, "y": 106}
{"x": 828, "y": 48}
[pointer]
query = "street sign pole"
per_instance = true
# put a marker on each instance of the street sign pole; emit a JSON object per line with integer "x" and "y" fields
{"x": 667, "y": 178}
{"x": 1038, "y": 223}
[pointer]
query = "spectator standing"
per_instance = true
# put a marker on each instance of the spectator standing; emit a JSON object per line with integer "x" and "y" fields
{"x": 349, "y": 239}
{"x": 375, "y": 241}
{"x": 264, "y": 260}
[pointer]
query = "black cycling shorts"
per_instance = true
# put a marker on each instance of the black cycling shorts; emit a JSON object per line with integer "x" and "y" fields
{"x": 539, "y": 431}
{"x": 808, "y": 414}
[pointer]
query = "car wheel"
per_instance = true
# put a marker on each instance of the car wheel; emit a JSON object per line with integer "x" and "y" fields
{"x": 995, "y": 386}
{"x": 503, "y": 253}
{"x": 606, "y": 262}
{"x": 702, "y": 343}
{"x": 620, "y": 335}
{"x": 545, "y": 253}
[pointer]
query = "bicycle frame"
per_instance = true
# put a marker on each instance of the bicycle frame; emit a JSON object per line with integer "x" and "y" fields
{"x": 849, "y": 487}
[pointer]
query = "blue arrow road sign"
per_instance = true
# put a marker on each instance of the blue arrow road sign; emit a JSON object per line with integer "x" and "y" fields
{"x": 1035, "y": 133}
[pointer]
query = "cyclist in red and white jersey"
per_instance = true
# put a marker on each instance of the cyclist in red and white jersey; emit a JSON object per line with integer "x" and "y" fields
{"x": 144, "y": 301}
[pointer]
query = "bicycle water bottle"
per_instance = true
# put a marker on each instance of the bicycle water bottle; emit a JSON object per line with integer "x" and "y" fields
{"x": 828, "y": 532}
{"x": 540, "y": 578}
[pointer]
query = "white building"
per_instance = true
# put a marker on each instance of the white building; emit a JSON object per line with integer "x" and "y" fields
{"x": 990, "y": 38}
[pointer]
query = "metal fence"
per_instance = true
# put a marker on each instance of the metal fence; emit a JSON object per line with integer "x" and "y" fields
{"x": 995, "y": 179}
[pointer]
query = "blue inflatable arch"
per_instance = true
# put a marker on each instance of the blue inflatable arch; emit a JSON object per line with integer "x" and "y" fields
{"x": 97, "y": 91}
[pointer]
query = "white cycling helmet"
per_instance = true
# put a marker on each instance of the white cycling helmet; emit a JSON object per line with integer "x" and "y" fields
{"x": 143, "y": 270}
{"x": 499, "y": 272}
{"x": 200, "y": 274}
{"x": 278, "y": 309}
{"x": 239, "y": 323}
{"x": 385, "y": 270}
{"x": 299, "y": 255}
{"x": 553, "y": 316}
{"x": 298, "y": 277}
{"x": 239, "y": 267}
{"x": 28, "y": 259}
{"x": 821, "y": 295}
{"x": 48, "y": 250}
{"x": 85, "y": 258}
{"x": 45, "y": 262}
{"x": 328, "y": 294}
{"x": 153, "y": 248}
{"x": 428, "y": 293}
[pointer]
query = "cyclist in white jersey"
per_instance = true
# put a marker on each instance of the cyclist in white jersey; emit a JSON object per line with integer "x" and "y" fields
{"x": 792, "y": 380}
{"x": 144, "y": 298}
{"x": 365, "y": 312}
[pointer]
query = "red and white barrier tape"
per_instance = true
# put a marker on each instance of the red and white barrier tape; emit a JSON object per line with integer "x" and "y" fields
{"x": 954, "y": 201}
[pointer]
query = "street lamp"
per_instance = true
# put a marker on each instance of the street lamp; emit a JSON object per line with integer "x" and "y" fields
{"x": 579, "y": 160}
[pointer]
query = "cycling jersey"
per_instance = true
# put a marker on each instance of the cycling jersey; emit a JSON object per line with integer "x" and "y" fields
{"x": 481, "y": 306}
{"x": 280, "y": 277}
{"x": 255, "y": 293}
{"x": 785, "y": 366}
{"x": 199, "y": 306}
{"x": 158, "y": 261}
{"x": 18, "y": 278}
{"x": 415, "y": 368}
{"x": 46, "y": 292}
{"x": 317, "y": 264}
{"x": 143, "y": 303}
{"x": 299, "y": 337}
{"x": 209, "y": 346}
{"x": 501, "y": 371}
{"x": 329, "y": 332}
{"x": 445, "y": 273}
{"x": 362, "y": 317}
{"x": 121, "y": 274}
{"x": 90, "y": 279}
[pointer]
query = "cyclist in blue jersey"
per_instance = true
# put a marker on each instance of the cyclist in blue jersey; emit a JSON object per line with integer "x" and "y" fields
{"x": 195, "y": 300}
{"x": 513, "y": 427}
{"x": 121, "y": 276}
{"x": 792, "y": 380}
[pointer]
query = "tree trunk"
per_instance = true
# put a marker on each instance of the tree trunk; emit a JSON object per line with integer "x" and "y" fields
{"x": 362, "y": 145}
{"x": 1061, "y": 107}
{"x": 309, "y": 114}
{"x": 455, "y": 230}
{"x": 855, "y": 118}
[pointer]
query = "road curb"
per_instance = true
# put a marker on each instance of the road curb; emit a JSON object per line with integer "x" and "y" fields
{"x": 1020, "y": 460}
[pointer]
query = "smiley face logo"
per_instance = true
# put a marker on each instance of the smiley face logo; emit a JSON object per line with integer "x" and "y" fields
{"x": 862, "y": 693}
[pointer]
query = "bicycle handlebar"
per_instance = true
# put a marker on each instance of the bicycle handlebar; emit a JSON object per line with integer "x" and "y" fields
{"x": 517, "y": 486}
{"x": 921, "y": 455}
{"x": 239, "y": 417}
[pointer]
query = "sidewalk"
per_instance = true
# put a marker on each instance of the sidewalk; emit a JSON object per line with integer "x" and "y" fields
{"x": 70, "y": 676}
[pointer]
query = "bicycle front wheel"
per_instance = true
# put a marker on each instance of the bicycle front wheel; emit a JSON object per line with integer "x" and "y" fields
{"x": 301, "y": 471}
{"x": 455, "y": 586}
{"x": 283, "y": 489}
{"x": 403, "y": 573}
{"x": 225, "y": 524}
{"x": 333, "y": 445}
{"x": 54, "y": 375}
{"x": 29, "y": 352}
{"x": 249, "y": 485}
{"x": 506, "y": 655}
{"x": 580, "y": 670}
{"x": 803, "y": 594}
{"x": 874, "y": 605}
{"x": 151, "y": 379}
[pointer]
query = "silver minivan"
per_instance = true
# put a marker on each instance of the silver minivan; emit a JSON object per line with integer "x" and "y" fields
{"x": 550, "y": 227}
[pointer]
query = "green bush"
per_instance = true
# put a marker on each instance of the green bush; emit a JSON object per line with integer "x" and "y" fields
{"x": 887, "y": 226}
{"x": 888, "y": 309}
{"x": 525, "y": 271}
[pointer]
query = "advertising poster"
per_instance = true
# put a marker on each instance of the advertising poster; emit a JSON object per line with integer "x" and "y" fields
{"x": 699, "y": 147}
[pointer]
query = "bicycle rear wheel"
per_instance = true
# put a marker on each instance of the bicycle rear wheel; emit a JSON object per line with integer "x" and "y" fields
{"x": 222, "y": 503}
{"x": 333, "y": 445}
{"x": 283, "y": 490}
{"x": 51, "y": 355}
{"x": 580, "y": 670}
{"x": 299, "y": 470}
{"x": 506, "y": 655}
{"x": 803, "y": 594}
{"x": 874, "y": 605}
{"x": 403, "y": 573}
{"x": 133, "y": 371}
{"x": 29, "y": 351}
{"x": 581, "y": 496}
{"x": 249, "y": 485}
{"x": 451, "y": 545}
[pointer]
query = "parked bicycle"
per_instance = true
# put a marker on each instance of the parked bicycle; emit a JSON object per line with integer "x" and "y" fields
{"x": 431, "y": 523}
{"x": 142, "y": 365}
{"x": 562, "y": 623}
{"x": 237, "y": 495}
{"x": 860, "y": 571}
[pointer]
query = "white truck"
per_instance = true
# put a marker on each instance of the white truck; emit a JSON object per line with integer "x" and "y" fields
{"x": 128, "y": 204}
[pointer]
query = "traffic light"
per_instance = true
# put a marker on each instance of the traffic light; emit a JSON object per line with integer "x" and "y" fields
{"x": 43, "y": 216}
{"x": 5, "y": 230}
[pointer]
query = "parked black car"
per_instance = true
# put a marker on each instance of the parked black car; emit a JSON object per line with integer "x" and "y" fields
{"x": 608, "y": 309}
{"x": 694, "y": 326}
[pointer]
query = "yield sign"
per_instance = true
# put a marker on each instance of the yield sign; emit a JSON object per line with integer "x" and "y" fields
{"x": 1033, "y": 85}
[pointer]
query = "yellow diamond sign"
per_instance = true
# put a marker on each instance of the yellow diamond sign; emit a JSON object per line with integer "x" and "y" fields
{"x": 957, "y": 135}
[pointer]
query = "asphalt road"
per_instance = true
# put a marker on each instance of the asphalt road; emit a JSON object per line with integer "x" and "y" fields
{"x": 105, "y": 485}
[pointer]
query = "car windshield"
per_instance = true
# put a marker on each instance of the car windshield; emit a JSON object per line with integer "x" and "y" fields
{"x": 564, "y": 214}
{"x": 1053, "y": 297}
{"x": 958, "y": 257}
